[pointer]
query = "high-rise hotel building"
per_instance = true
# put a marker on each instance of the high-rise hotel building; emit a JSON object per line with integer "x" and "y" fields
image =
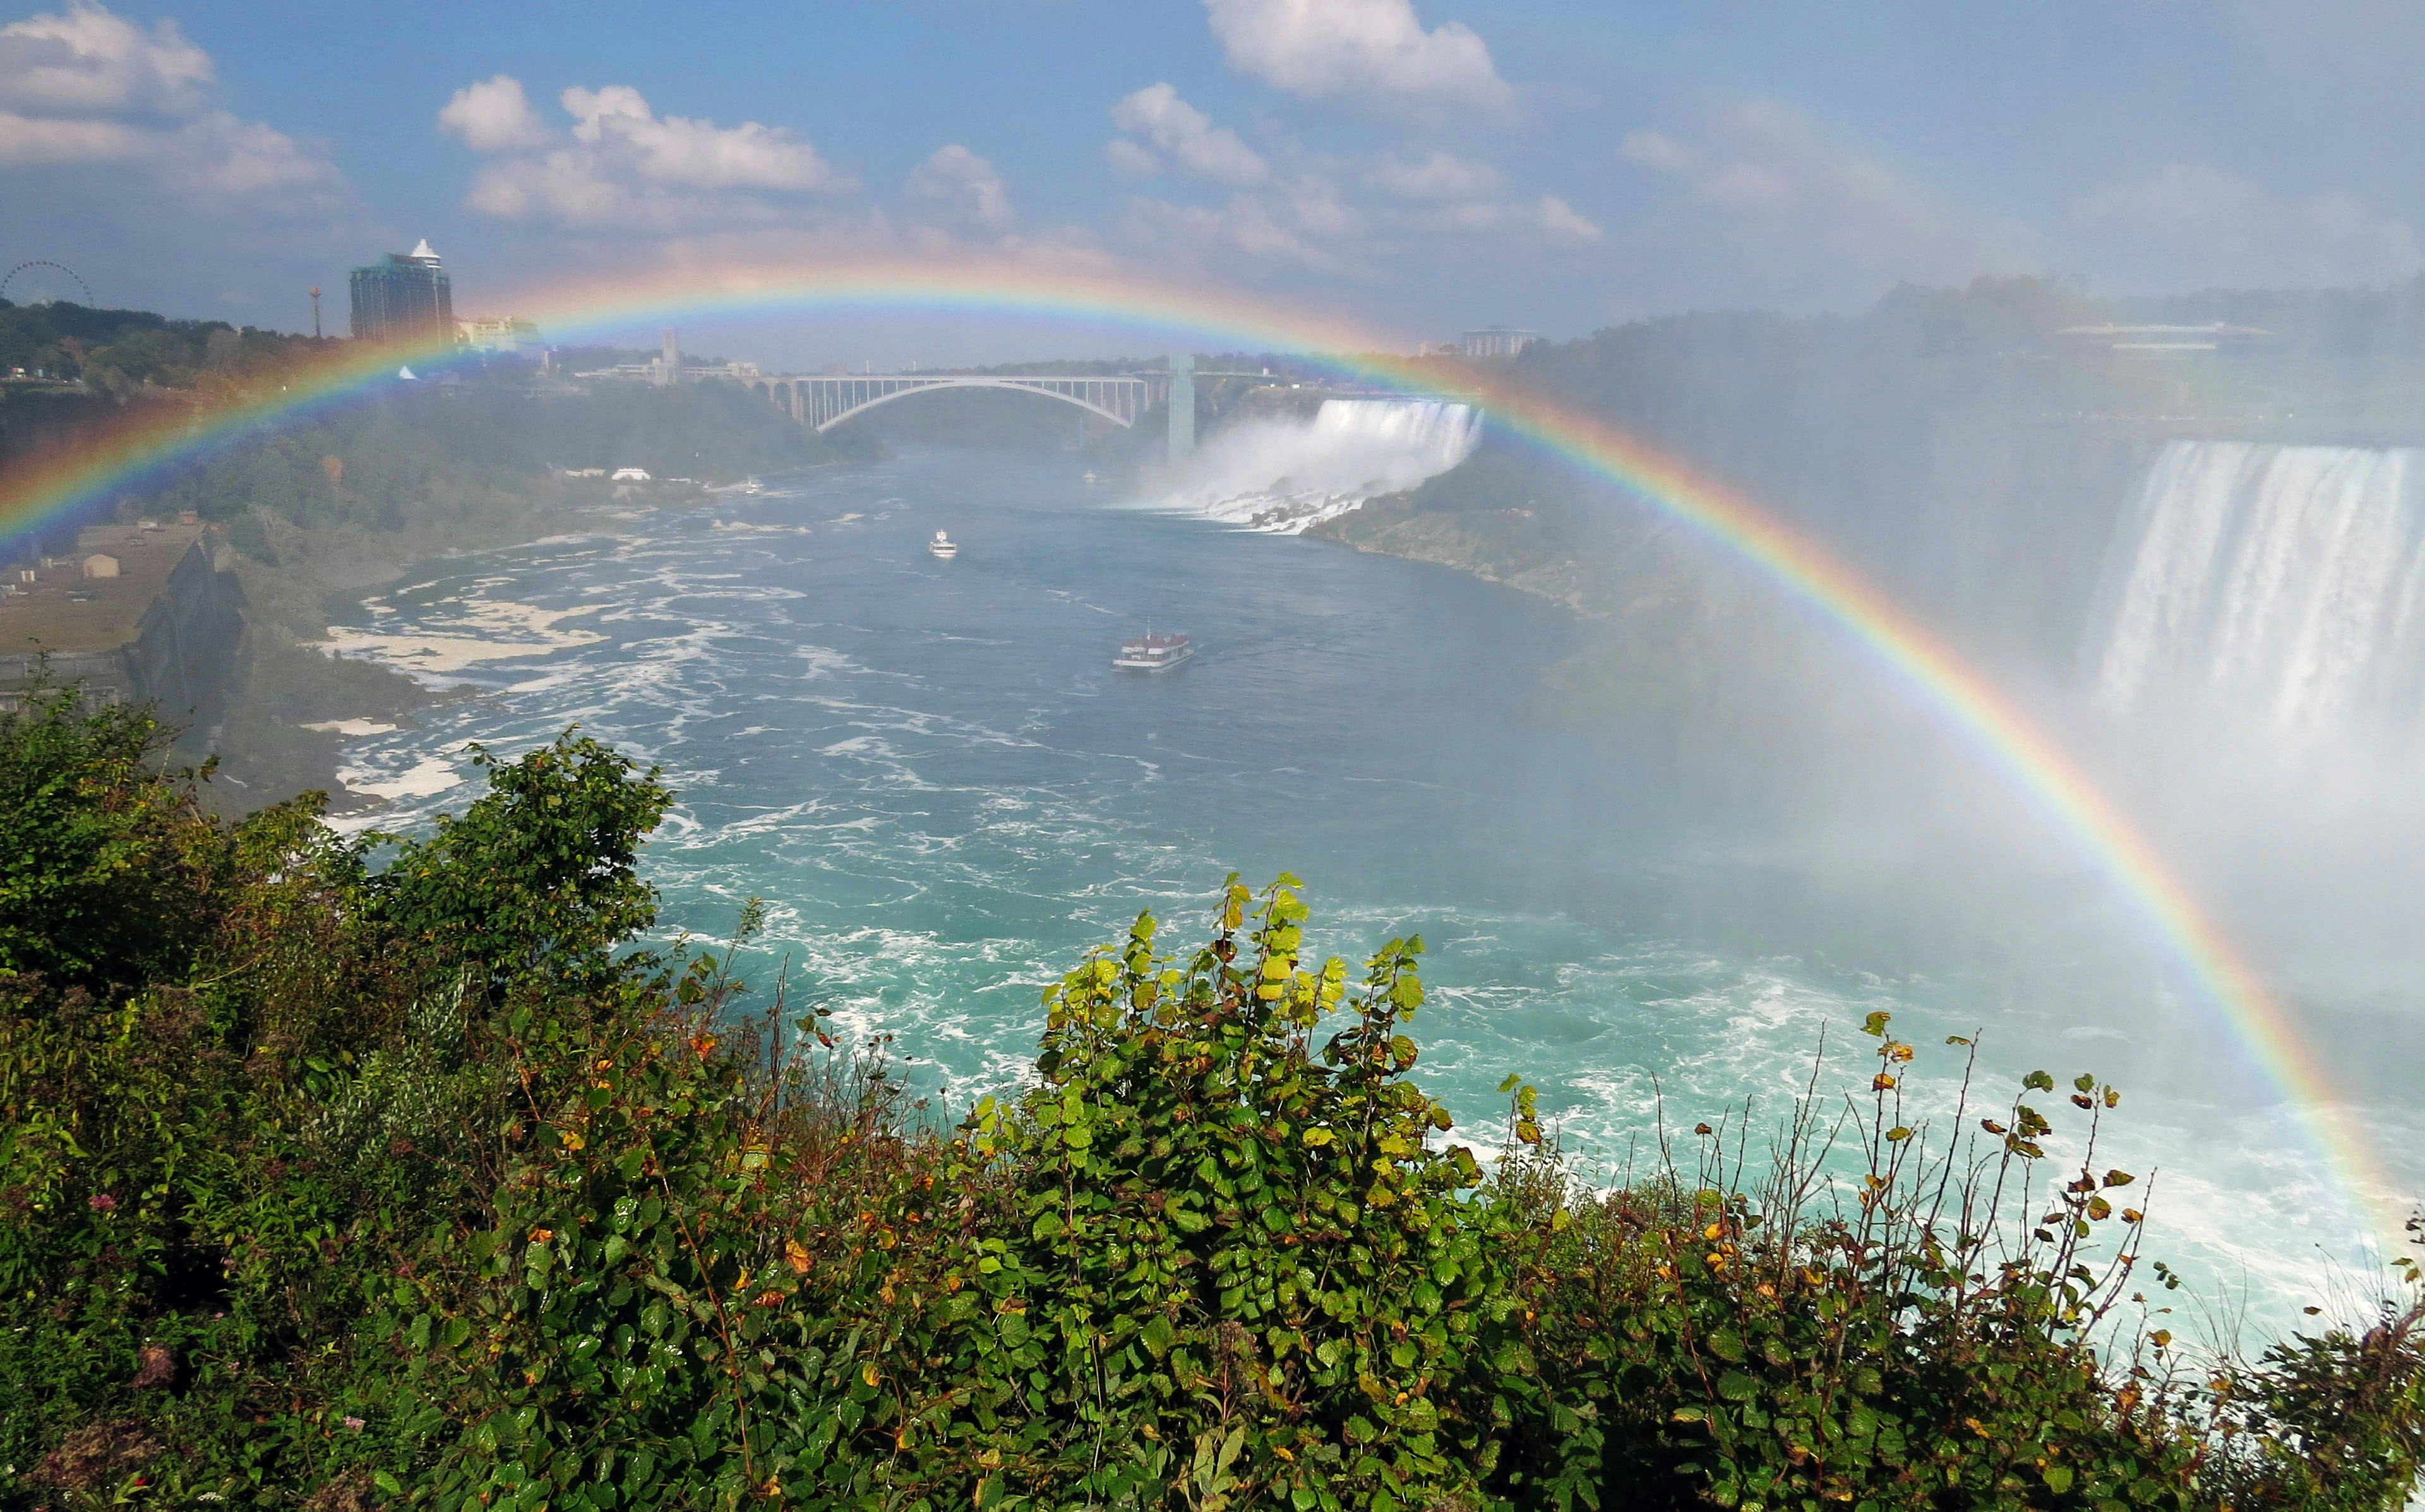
{"x": 405, "y": 298}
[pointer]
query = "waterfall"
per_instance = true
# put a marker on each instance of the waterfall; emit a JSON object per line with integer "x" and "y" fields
{"x": 2285, "y": 584}
{"x": 1284, "y": 475}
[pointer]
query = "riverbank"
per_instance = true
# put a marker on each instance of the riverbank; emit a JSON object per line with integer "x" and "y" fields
{"x": 301, "y": 696}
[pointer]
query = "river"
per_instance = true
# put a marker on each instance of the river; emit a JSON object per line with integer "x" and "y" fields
{"x": 945, "y": 793}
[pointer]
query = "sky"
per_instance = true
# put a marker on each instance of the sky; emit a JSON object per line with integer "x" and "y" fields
{"x": 1424, "y": 166}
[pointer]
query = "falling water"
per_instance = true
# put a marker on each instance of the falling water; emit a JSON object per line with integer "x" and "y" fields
{"x": 1282, "y": 476}
{"x": 2284, "y": 584}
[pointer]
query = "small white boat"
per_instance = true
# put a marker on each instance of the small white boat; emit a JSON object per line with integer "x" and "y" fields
{"x": 752, "y": 487}
{"x": 1155, "y": 652}
{"x": 942, "y": 546}
{"x": 1092, "y": 480}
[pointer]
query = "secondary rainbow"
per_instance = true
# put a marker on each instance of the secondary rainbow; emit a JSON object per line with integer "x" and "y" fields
{"x": 138, "y": 452}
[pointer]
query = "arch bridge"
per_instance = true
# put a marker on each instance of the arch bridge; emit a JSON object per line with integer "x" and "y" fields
{"x": 824, "y": 402}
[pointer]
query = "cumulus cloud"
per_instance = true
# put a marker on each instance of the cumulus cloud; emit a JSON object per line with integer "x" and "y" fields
{"x": 88, "y": 61}
{"x": 626, "y": 166}
{"x": 964, "y": 182}
{"x": 1130, "y": 160}
{"x": 1559, "y": 218}
{"x": 1547, "y": 216}
{"x": 1319, "y": 48}
{"x": 1652, "y": 150}
{"x": 2187, "y": 225}
{"x": 494, "y": 116}
{"x": 1437, "y": 177}
{"x": 1159, "y": 115}
{"x": 131, "y": 110}
{"x": 1774, "y": 177}
{"x": 1248, "y": 227}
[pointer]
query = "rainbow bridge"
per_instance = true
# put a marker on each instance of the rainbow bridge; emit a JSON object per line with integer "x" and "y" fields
{"x": 824, "y": 402}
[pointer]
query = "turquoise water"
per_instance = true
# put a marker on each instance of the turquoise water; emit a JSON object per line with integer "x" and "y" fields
{"x": 946, "y": 794}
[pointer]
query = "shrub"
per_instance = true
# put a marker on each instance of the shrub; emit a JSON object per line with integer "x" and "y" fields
{"x": 383, "y": 1179}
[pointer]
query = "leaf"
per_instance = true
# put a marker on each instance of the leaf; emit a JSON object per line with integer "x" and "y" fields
{"x": 1158, "y": 1336}
{"x": 2038, "y": 1081}
{"x": 1897, "y": 1134}
{"x": 1875, "y": 1025}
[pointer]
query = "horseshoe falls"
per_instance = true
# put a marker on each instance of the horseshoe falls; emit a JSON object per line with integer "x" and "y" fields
{"x": 2284, "y": 585}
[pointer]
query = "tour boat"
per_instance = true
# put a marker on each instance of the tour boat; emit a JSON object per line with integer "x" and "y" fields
{"x": 1155, "y": 652}
{"x": 942, "y": 546}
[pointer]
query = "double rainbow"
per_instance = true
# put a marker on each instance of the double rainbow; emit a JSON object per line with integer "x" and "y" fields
{"x": 51, "y": 490}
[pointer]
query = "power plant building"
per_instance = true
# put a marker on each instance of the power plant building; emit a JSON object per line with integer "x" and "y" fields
{"x": 407, "y": 298}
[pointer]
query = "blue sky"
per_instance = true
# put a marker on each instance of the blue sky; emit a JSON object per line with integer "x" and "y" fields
{"x": 1426, "y": 164}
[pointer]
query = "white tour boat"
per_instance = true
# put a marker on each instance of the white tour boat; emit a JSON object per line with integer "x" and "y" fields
{"x": 1155, "y": 652}
{"x": 942, "y": 546}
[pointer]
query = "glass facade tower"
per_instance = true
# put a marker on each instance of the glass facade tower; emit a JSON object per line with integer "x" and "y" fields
{"x": 405, "y": 298}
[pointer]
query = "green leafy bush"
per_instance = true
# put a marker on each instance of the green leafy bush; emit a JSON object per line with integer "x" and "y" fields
{"x": 390, "y": 1176}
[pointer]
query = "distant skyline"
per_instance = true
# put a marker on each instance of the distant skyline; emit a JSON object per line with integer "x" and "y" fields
{"x": 1427, "y": 167}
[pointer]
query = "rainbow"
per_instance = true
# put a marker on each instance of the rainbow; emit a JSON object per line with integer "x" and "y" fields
{"x": 52, "y": 490}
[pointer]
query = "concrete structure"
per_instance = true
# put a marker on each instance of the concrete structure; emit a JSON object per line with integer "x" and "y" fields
{"x": 670, "y": 359}
{"x": 1495, "y": 341}
{"x": 164, "y": 627}
{"x": 406, "y": 298}
{"x": 1183, "y": 406}
{"x": 823, "y": 403}
{"x": 101, "y": 564}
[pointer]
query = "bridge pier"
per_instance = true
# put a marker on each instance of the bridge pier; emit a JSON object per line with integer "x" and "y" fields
{"x": 1183, "y": 406}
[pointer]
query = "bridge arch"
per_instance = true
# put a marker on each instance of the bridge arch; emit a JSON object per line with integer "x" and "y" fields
{"x": 824, "y": 402}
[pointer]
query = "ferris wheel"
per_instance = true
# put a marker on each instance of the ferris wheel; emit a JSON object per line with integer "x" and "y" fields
{"x": 10, "y": 277}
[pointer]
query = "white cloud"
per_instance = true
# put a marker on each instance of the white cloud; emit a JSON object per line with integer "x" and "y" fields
{"x": 2189, "y": 226}
{"x": 1157, "y": 114}
{"x": 958, "y": 178}
{"x": 1547, "y": 215}
{"x": 1650, "y": 150}
{"x": 1215, "y": 238}
{"x": 1438, "y": 177}
{"x": 1774, "y": 176}
{"x": 35, "y": 141}
{"x": 494, "y": 116}
{"x": 627, "y": 167}
{"x": 1130, "y": 160}
{"x": 697, "y": 154}
{"x": 131, "y": 111}
{"x": 1559, "y": 218}
{"x": 88, "y": 61}
{"x": 1319, "y": 48}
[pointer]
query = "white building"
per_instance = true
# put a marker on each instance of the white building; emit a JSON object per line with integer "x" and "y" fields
{"x": 502, "y": 333}
{"x": 1497, "y": 341}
